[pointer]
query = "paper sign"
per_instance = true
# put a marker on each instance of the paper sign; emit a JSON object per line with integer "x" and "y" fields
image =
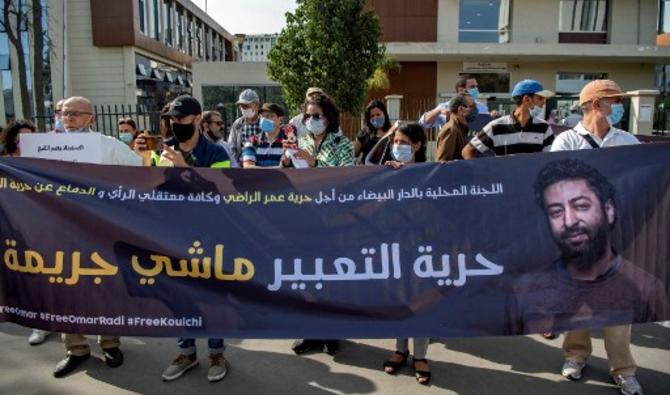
{"x": 70, "y": 147}
{"x": 645, "y": 114}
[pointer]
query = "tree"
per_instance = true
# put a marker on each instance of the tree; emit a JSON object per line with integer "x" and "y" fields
{"x": 332, "y": 44}
{"x": 38, "y": 64}
{"x": 15, "y": 21}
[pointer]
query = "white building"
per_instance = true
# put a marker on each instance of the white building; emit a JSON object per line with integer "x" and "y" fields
{"x": 256, "y": 47}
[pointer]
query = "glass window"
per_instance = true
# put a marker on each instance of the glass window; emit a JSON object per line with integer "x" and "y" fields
{"x": 8, "y": 93}
{"x": 190, "y": 36}
{"x": 167, "y": 21}
{"x": 664, "y": 17}
{"x": 180, "y": 28}
{"x": 156, "y": 21}
{"x": 574, "y": 82}
{"x": 142, "y": 8}
{"x": 583, "y": 16}
{"x": 483, "y": 21}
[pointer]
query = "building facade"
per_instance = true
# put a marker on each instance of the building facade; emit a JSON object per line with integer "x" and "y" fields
{"x": 256, "y": 47}
{"x": 132, "y": 52}
{"x": 563, "y": 43}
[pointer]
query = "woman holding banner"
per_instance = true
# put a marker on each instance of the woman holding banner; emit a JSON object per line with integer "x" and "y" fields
{"x": 409, "y": 146}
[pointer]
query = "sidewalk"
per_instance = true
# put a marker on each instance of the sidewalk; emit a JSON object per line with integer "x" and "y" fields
{"x": 510, "y": 365}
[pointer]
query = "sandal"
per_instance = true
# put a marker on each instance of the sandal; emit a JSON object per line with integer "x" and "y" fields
{"x": 395, "y": 366}
{"x": 422, "y": 376}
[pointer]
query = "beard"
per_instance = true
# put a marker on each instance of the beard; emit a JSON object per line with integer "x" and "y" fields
{"x": 585, "y": 254}
{"x": 214, "y": 136}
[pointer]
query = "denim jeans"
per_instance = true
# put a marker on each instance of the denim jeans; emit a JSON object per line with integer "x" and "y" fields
{"x": 187, "y": 346}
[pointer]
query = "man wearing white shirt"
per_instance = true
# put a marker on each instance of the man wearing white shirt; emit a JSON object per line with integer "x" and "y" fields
{"x": 602, "y": 107}
{"x": 77, "y": 114}
{"x": 438, "y": 116}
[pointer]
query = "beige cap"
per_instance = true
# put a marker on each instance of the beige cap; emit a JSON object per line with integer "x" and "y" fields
{"x": 598, "y": 89}
{"x": 312, "y": 90}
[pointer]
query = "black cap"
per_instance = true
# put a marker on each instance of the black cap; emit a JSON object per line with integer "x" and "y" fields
{"x": 273, "y": 108}
{"x": 184, "y": 106}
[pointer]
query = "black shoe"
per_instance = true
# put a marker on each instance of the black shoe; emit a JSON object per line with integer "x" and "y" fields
{"x": 332, "y": 346}
{"x": 113, "y": 357}
{"x": 70, "y": 363}
{"x": 305, "y": 345}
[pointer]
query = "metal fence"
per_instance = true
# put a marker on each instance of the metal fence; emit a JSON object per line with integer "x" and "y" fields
{"x": 107, "y": 118}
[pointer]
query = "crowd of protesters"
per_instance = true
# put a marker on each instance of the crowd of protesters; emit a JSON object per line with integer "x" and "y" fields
{"x": 263, "y": 137}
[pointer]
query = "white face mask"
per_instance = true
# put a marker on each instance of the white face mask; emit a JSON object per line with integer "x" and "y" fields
{"x": 248, "y": 113}
{"x": 402, "y": 152}
{"x": 316, "y": 127}
{"x": 537, "y": 112}
{"x": 59, "y": 125}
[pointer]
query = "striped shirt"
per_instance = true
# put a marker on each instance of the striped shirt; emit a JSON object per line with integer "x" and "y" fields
{"x": 263, "y": 152}
{"x": 505, "y": 136}
{"x": 335, "y": 150}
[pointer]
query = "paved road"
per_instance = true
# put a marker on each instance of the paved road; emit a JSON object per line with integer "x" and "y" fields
{"x": 513, "y": 365}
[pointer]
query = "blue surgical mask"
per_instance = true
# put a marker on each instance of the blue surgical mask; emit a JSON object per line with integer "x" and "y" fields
{"x": 316, "y": 127}
{"x": 402, "y": 152}
{"x": 473, "y": 92}
{"x": 126, "y": 137}
{"x": 536, "y": 111}
{"x": 378, "y": 123}
{"x": 474, "y": 113}
{"x": 616, "y": 115}
{"x": 267, "y": 125}
{"x": 59, "y": 125}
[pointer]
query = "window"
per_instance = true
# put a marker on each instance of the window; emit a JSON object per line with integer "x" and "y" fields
{"x": 167, "y": 21}
{"x": 180, "y": 28}
{"x": 574, "y": 82}
{"x": 483, "y": 21}
{"x": 190, "y": 36}
{"x": 142, "y": 8}
{"x": 155, "y": 20}
{"x": 583, "y": 16}
{"x": 664, "y": 17}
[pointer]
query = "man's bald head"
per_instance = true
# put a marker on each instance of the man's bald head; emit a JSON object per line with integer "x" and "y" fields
{"x": 77, "y": 113}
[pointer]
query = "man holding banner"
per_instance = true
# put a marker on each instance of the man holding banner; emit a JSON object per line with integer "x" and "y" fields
{"x": 77, "y": 115}
{"x": 602, "y": 108}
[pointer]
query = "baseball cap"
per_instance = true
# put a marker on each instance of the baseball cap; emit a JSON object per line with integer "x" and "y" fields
{"x": 184, "y": 106}
{"x": 530, "y": 87}
{"x": 598, "y": 89}
{"x": 313, "y": 90}
{"x": 273, "y": 108}
{"x": 248, "y": 96}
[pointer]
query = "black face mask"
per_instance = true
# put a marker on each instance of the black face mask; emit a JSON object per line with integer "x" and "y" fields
{"x": 183, "y": 132}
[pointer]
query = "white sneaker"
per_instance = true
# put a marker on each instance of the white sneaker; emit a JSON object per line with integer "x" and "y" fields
{"x": 629, "y": 385}
{"x": 38, "y": 337}
{"x": 572, "y": 369}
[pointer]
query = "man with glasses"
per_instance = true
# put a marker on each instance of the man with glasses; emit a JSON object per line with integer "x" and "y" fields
{"x": 437, "y": 117}
{"x": 602, "y": 107}
{"x": 453, "y": 135}
{"x": 212, "y": 127}
{"x": 77, "y": 114}
{"x": 247, "y": 125}
{"x": 59, "y": 126}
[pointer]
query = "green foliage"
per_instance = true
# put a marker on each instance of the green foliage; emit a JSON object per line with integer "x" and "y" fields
{"x": 332, "y": 44}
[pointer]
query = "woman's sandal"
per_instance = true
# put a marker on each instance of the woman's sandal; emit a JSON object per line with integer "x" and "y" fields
{"x": 422, "y": 376}
{"x": 395, "y": 366}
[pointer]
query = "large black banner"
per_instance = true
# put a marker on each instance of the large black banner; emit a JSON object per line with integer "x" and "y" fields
{"x": 524, "y": 244}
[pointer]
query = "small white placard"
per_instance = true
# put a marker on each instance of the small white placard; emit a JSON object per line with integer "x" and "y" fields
{"x": 70, "y": 147}
{"x": 645, "y": 114}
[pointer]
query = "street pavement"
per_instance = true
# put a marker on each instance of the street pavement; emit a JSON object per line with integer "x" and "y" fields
{"x": 501, "y": 365}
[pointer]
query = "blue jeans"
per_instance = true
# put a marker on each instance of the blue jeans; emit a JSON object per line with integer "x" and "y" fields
{"x": 187, "y": 346}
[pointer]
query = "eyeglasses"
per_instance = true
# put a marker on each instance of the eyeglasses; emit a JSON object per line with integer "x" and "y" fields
{"x": 245, "y": 106}
{"x": 75, "y": 113}
{"x": 57, "y": 112}
{"x": 315, "y": 117}
{"x": 220, "y": 123}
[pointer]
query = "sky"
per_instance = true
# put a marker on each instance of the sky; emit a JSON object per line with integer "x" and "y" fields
{"x": 249, "y": 16}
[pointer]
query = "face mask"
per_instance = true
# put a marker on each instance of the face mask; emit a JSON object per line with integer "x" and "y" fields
{"x": 472, "y": 115}
{"x": 182, "y": 132}
{"x": 267, "y": 125}
{"x": 377, "y": 123}
{"x": 59, "y": 125}
{"x": 248, "y": 113}
{"x": 473, "y": 92}
{"x": 536, "y": 111}
{"x": 402, "y": 152}
{"x": 126, "y": 137}
{"x": 316, "y": 127}
{"x": 616, "y": 115}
